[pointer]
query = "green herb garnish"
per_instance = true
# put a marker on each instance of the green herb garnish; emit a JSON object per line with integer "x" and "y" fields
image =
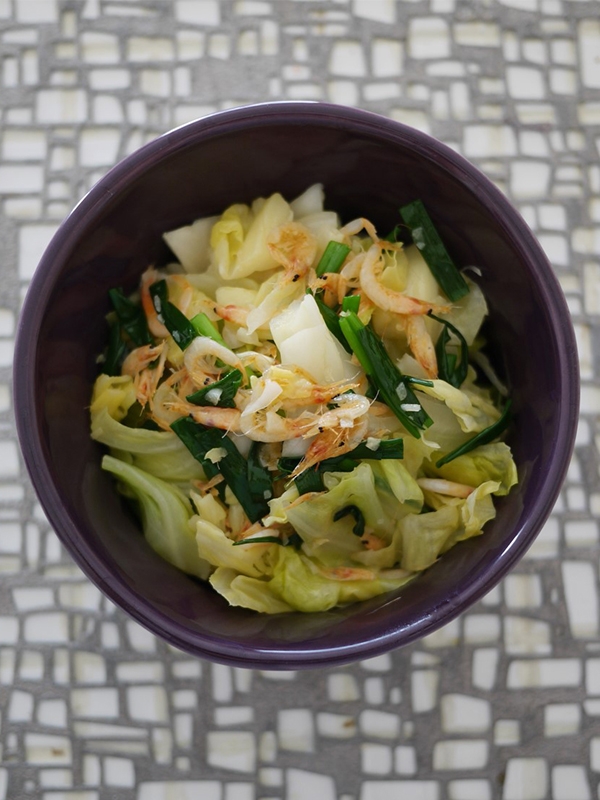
{"x": 116, "y": 350}
{"x": 333, "y": 258}
{"x": 450, "y": 369}
{"x": 485, "y": 436}
{"x": 204, "y": 327}
{"x": 391, "y": 383}
{"x": 178, "y": 325}
{"x": 433, "y": 250}
{"x": 248, "y": 480}
{"x": 131, "y": 316}
{"x": 330, "y": 318}
{"x": 359, "y": 520}
{"x": 226, "y": 386}
{"x": 351, "y": 303}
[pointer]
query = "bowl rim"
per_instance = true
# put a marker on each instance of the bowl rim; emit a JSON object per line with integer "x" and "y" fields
{"x": 147, "y": 157}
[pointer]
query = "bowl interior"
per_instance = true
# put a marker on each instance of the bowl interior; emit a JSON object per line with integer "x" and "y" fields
{"x": 369, "y": 168}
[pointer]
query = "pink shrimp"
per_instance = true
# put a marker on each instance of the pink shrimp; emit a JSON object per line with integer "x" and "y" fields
{"x": 156, "y": 327}
{"x": 389, "y": 299}
{"x": 145, "y": 380}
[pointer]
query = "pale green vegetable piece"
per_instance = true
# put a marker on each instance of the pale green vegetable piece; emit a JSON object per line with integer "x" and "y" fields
{"x": 279, "y": 295}
{"x": 424, "y": 536}
{"x": 160, "y": 453}
{"x": 472, "y": 408}
{"x": 325, "y": 227}
{"x": 403, "y": 485}
{"x": 311, "y": 201}
{"x": 304, "y": 340}
{"x": 115, "y": 394}
{"x": 165, "y": 513}
{"x": 478, "y": 509}
{"x": 190, "y": 243}
{"x": 248, "y": 559}
{"x": 240, "y": 590}
{"x": 468, "y": 313}
{"x": 297, "y": 582}
{"x": 489, "y": 462}
{"x": 239, "y": 238}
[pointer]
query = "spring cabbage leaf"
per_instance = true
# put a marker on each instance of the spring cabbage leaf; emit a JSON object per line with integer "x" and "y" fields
{"x": 165, "y": 513}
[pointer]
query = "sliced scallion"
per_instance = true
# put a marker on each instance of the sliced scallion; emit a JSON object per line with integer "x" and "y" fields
{"x": 241, "y": 476}
{"x": 330, "y": 318}
{"x": 204, "y": 327}
{"x": 485, "y": 436}
{"x": 333, "y": 258}
{"x": 178, "y": 325}
{"x": 226, "y": 387}
{"x": 359, "y": 520}
{"x": 391, "y": 383}
{"x": 351, "y": 303}
{"x": 131, "y": 316}
{"x": 116, "y": 350}
{"x": 450, "y": 369}
{"x": 309, "y": 481}
{"x": 433, "y": 250}
{"x": 260, "y": 540}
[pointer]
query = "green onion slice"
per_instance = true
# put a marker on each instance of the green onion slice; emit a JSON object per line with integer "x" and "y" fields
{"x": 131, "y": 316}
{"x": 388, "y": 448}
{"x": 178, "y": 325}
{"x": 116, "y": 350}
{"x": 393, "y": 386}
{"x": 333, "y": 258}
{"x": 448, "y": 369}
{"x": 351, "y": 303}
{"x": 260, "y": 540}
{"x": 248, "y": 480}
{"x": 433, "y": 250}
{"x": 485, "y": 436}
{"x": 309, "y": 481}
{"x": 204, "y": 327}
{"x": 330, "y": 317}
{"x": 224, "y": 391}
{"x": 359, "y": 526}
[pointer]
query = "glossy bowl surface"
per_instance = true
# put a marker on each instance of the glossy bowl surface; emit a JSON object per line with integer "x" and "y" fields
{"x": 369, "y": 166}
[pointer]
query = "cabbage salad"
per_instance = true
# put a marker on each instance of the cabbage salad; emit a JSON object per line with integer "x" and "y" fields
{"x": 301, "y": 410}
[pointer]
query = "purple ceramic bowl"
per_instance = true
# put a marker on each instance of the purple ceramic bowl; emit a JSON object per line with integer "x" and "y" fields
{"x": 369, "y": 165}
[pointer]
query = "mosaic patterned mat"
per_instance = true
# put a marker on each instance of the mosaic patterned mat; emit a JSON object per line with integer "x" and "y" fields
{"x": 502, "y": 703}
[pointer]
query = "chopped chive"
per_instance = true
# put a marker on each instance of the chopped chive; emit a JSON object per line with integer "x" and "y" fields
{"x": 244, "y": 478}
{"x": 388, "y": 448}
{"x": 131, "y": 316}
{"x": 226, "y": 388}
{"x": 359, "y": 520}
{"x": 330, "y": 318}
{"x": 333, "y": 258}
{"x": 448, "y": 369}
{"x": 418, "y": 381}
{"x": 433, "y": 250}
{"x": 391, "y": 383}
{"x": 351, "y": 303}
{"x": 483, "y": 437}
{"x": 116, "y": 350}
{"x": 178, "y": 325}
{"x": 260, "y": 540}
{"x": 309, "y": 481}
{"x": 204, "y": 327}
{"x": 393, "y": 234}
{"x": 259, "y": 477}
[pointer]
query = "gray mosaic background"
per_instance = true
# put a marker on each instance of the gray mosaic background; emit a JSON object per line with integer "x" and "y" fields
{"x": 502, "y": 703}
